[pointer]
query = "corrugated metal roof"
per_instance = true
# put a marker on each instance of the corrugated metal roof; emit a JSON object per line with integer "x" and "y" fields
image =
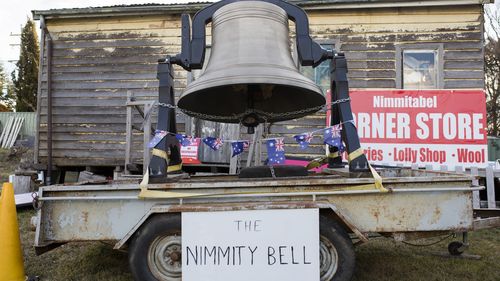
{"x": 149, "y": 8}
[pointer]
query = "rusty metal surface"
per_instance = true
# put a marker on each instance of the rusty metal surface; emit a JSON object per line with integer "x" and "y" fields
{"x": 110, "y": 212}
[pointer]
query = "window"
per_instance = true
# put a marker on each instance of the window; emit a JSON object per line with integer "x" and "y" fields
{"x": 320, "y": 74}
{"x": 419, "y": 69}
{"x": 419, "y": 66}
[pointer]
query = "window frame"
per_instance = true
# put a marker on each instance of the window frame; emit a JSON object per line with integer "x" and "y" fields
{"x": 335, "y": 43}
{"x": 438, "y": 47}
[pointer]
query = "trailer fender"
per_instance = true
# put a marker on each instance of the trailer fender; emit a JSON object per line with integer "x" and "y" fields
{"x": 325, "y": 206}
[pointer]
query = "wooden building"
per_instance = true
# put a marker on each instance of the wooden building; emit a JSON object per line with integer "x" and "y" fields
{"x": 91, "y": 57}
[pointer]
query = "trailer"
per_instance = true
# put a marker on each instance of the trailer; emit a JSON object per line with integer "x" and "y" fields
{"x": 346, "y": 204}
{"x": 147, "y": 222}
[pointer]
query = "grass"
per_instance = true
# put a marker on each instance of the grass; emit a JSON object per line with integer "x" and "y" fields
{"x": 379, "y": 260}
{"x": 74, "y": 261}
{"x": 8, "y": 163}
{"x": 383, "y": 259}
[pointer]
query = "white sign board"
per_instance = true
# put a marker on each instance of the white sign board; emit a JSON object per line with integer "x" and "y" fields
{"x": 263, "y": 245}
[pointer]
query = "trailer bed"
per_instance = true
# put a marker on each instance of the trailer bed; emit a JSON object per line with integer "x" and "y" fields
{"x": 417, "y": 201}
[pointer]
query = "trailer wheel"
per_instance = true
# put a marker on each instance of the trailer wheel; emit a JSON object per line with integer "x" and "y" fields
{"x": 337, "y": 257}
{"x": 155, "y": 250}
{"x": 456, "y": 248}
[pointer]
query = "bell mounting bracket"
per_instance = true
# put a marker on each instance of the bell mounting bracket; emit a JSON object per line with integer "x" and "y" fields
{"x": 192, "y": 55}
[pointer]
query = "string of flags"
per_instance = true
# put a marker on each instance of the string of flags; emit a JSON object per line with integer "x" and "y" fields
{"x": 275, "y": 146}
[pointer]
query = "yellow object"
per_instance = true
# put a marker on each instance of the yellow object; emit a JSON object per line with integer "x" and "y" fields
{"x": 160, "y": 153}
{"x": 378, "y": 180}
{"x": 11, "y": 258}
{"x": 334, "y": 155}
{"x": 355, "y": 154}
{"x": 174, "y": 168}
{"x": 146, "y": 193}
{"x": 317, "y": 163}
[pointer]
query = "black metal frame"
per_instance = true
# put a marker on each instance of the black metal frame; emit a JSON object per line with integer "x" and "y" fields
{"x": 192, "y": 56}
{"x": 158, "y": 166}
{"x": 341, "y": 113}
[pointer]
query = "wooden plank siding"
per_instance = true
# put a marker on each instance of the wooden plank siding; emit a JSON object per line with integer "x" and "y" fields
{"x": 94, "y": 63}
{"x": 97, "y": 60}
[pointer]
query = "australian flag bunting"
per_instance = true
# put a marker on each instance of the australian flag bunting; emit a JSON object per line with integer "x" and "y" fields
{"x": 304, "y": 140}
{"x": 184, "y": 140}
{"x": 213, "y": 143}
{"x": 159, "y": 135}
{"x": 276, "y": 151}
{"x": 333, "y": 136}
{"x": 238, "y": 147}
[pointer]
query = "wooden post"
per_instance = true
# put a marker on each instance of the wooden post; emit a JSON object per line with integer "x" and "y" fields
{"x": 490, "y": 188}
{"x": 6, "y": 130}
{"x": 147, "y": 135}
{"x": 476, "y": 203}
{"x": 258, "y": 145}
{"x": 233, "y": 165}
{"x": 128, "y": 136}
{"x": 22, "y": 184}
{"x": 251, "y": 151}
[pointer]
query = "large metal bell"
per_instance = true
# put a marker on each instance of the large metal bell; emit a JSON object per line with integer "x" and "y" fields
{"x": 251, "y": 76}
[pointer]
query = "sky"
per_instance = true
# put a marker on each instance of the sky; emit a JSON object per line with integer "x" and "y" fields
{"x": 13, "y": 15}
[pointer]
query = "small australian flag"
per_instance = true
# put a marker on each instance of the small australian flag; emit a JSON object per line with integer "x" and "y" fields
{"x": 332, "y": 136}
{"x": 159, "y": 135}
{"x": 276, "y": 151}
{"x": 304, "y": 140}
{"x": 238, "y": 147}
{"x": 184, "y": 140}
{"x": 213, "y": 143}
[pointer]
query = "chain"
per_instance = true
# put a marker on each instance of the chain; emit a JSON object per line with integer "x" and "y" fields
{"x": 273, "y": 174}
{"x": 36, "y": 201}
{"x": 167, "y": 105}
{"x": 265, "y": 115}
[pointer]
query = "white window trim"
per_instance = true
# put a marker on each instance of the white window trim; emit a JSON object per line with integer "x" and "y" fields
{"x": 420, "y": 47}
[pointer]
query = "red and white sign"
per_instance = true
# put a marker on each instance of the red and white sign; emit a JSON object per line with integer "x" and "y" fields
{"x": 189, "y": 153}
{"x": 424, "y": 127}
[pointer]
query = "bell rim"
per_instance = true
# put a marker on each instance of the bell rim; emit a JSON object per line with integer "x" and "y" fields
{"x": 232, "y": 117}
{"x": 250, "y": 80}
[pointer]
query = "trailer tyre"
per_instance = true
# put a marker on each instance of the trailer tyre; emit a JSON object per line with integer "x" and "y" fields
{"x": 456, "y": 248}
{"x": 337, "y": 257}
{"x": 155, "y": 250}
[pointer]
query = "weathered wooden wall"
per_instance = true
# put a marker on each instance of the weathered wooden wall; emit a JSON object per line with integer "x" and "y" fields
{"x": 96, "y": 60}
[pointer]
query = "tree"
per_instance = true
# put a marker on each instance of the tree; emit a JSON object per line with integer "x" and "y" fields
{"x": 492, "y": 70}
{"x": 6, "y": 98}
{"x": 25, "y": 78}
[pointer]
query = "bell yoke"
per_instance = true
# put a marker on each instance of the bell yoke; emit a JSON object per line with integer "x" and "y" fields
{"x": 251, "y": 77}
